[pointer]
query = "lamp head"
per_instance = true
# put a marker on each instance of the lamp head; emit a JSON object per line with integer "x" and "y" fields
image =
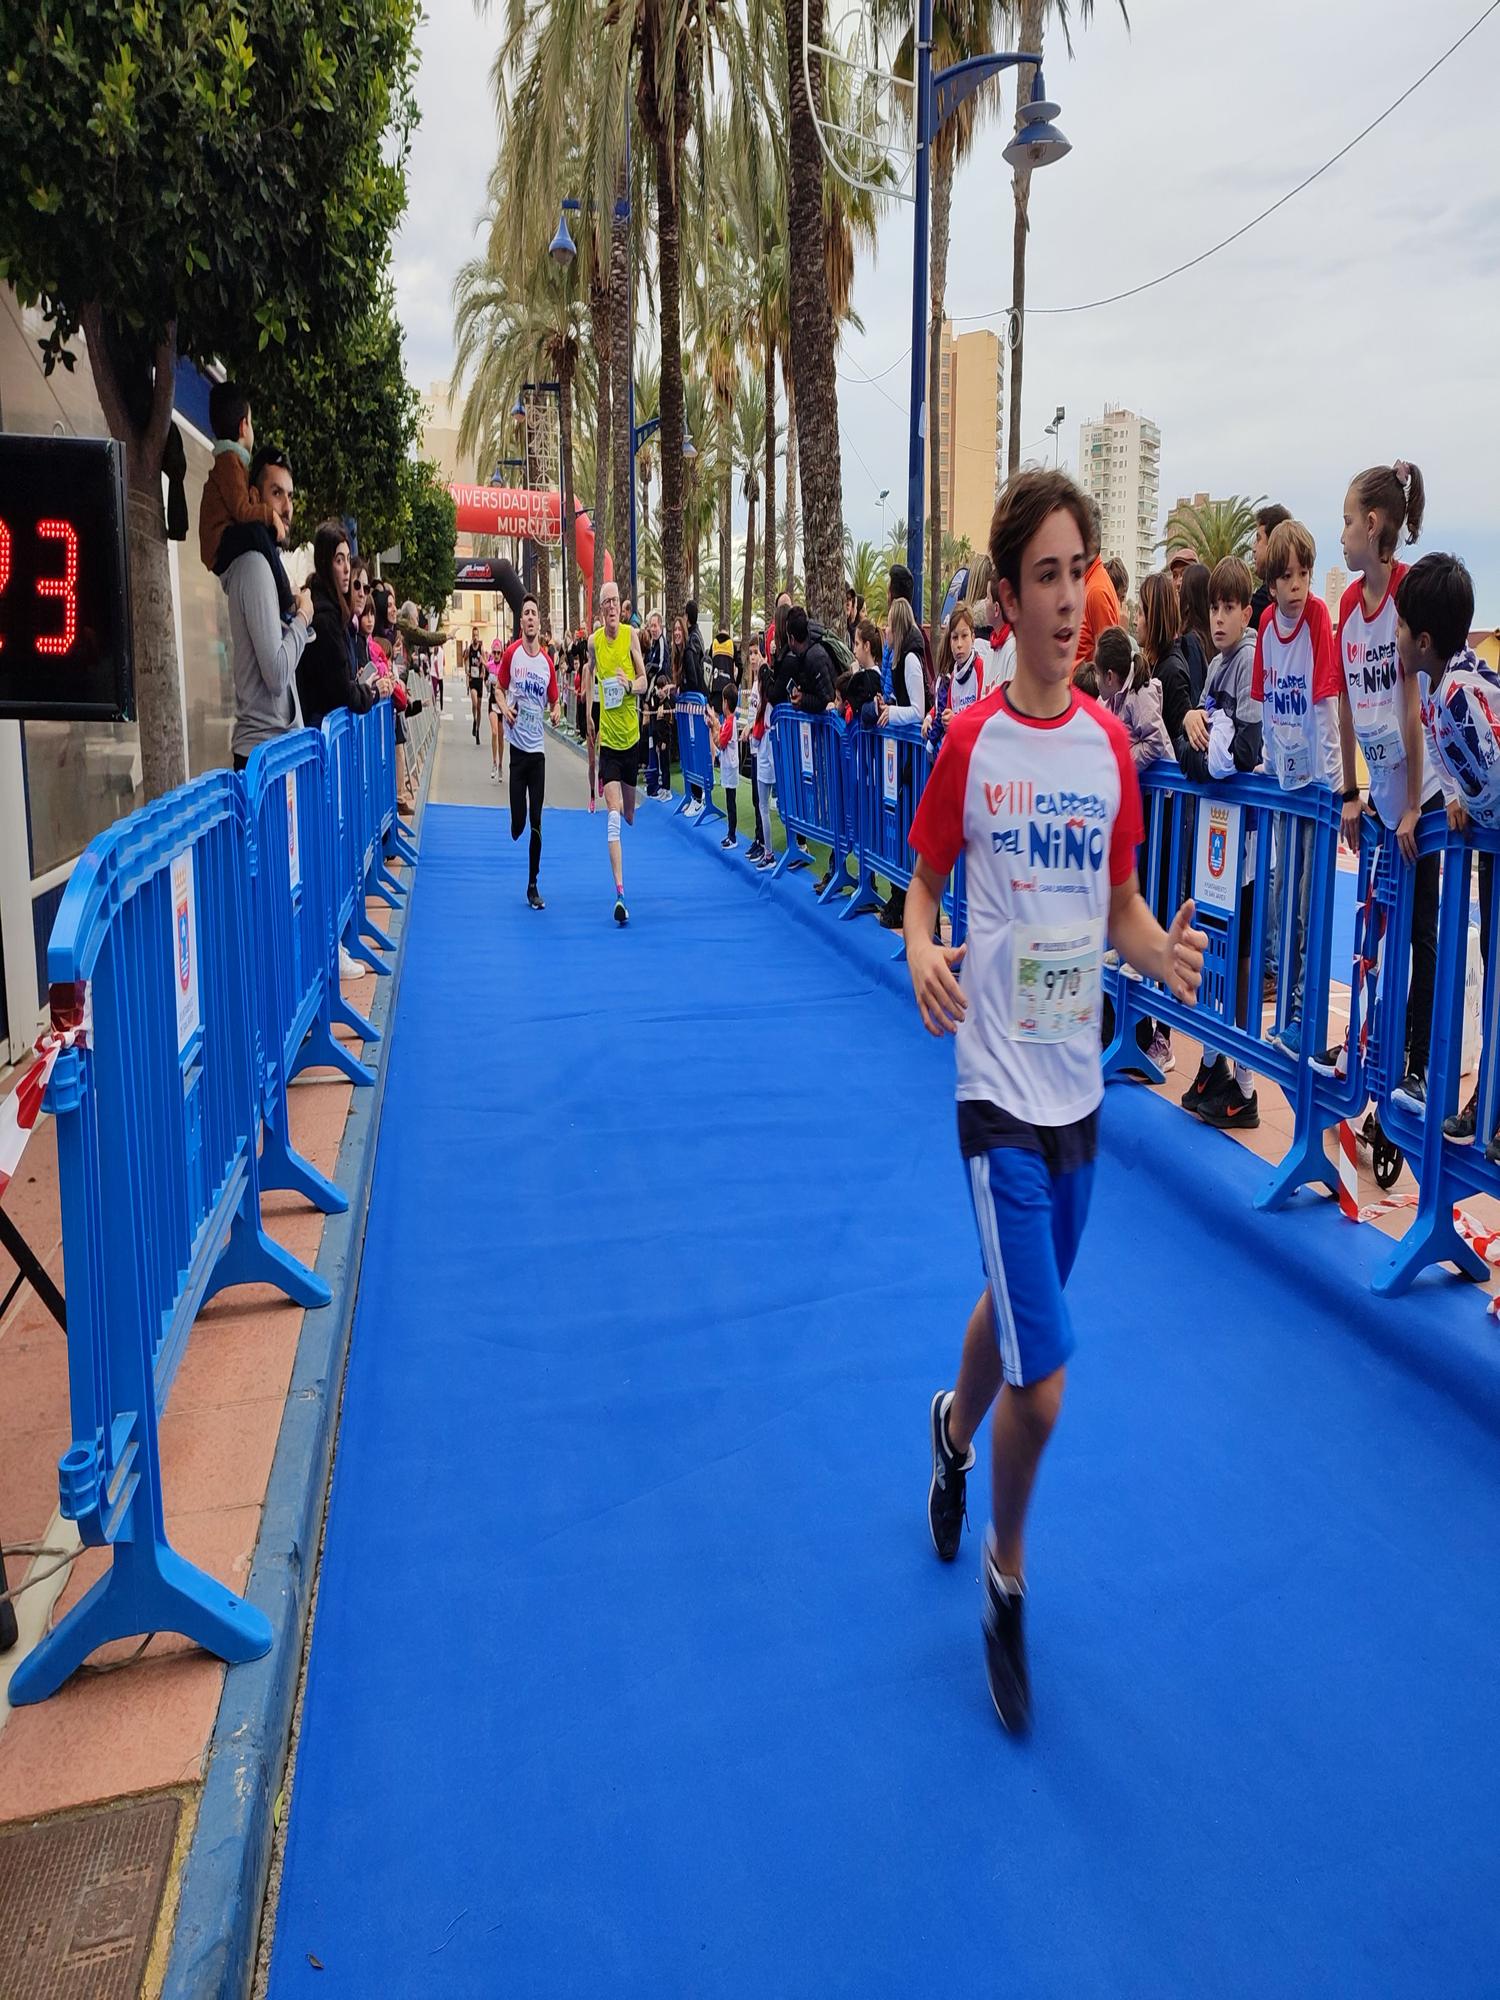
{"x": 562, "y": 249}
{"x": 689, "y": 449}
{"x": 1038, "y": 143}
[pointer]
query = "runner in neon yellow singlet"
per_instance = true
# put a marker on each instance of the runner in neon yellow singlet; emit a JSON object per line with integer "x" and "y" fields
{"x": 616, "y": 675}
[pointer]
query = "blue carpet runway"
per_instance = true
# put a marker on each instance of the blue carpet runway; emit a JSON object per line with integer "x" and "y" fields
{"x": 634, "y": 1673}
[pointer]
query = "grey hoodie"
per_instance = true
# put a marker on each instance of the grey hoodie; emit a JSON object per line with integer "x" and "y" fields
{"x": 264, "y": 656}
{"x": 1227, "y": 689}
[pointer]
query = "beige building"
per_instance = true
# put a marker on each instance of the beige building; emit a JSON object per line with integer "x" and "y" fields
{"x": 968, "y": 431}
{"x": 440, "y": 437}
{"x": 1334, "y": 586}
{"x": 1119, "y": 465}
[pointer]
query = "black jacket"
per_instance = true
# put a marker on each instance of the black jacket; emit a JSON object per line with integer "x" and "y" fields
{"x": 693, "y": 681}
{"x": 327, "y": 673}
{"x": 1176, "y": 689}
{"x": 812, "y": 672}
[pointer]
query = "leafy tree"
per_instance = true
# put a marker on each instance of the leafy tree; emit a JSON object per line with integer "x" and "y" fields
{"x": 1214, "y": 528}
{"x": 426, "y": 569}
{"x": 192, "y": 177}
{"x": 348, "y": 420}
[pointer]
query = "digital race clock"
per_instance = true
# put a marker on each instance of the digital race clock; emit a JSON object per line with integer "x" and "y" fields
{"x": 65, "y": 652}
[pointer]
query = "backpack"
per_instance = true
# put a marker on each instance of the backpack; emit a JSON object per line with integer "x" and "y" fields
{"x": 835, "y": 645}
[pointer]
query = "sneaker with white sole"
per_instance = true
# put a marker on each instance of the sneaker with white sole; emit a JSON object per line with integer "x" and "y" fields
{"x": 351, "y": 967}
{"x": 946, "y": 1512}
{"x": 1005, "y": 1644}
{"x": 1332, "y": 1061}
{"x": 1160, "y": 1052}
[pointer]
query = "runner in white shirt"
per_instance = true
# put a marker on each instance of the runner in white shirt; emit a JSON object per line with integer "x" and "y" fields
{"x": 527, "y": 688}
{"x": 1380, "y": 710}
{"x": 1036, "y": 788}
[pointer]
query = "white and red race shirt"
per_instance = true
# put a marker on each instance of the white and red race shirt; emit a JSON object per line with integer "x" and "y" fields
{"x": 997, "y": 658}
{"x": 1048, "y": 816}
{"x": 531, "y": 682}
{"x": 1372, "y": 673}
{"x": 1296, "y": 678}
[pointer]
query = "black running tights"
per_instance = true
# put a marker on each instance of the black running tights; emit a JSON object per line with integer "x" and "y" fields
{"x": 528, "y": 785}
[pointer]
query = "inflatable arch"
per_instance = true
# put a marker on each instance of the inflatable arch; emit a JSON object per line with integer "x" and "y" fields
{"x": 517, "y": 510}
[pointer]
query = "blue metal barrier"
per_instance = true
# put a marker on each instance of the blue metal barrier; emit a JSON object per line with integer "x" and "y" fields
{"x": 348, "y": 846}
{"x": 290, "y": 890}
{"x": 157, "y": 1113}
{"x": 1446, "y": 1170}
{"x": 888, "y": 777}
{"x": 375, "y": 762}
{"x": 695, "y": 754}
{"x": 811, "y": 789}
{"x": 1205, "y": 839}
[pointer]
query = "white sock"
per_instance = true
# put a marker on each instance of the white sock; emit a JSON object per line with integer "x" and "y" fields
{"x": 1244, "y": 1078}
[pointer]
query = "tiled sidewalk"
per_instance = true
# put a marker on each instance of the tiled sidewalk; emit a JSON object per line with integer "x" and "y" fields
{"x": 106, "y": 1736}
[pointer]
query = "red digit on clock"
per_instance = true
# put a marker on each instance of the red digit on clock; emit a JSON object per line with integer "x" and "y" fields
{"x": 64, "y": 586}
{"x": 4, "y": 568}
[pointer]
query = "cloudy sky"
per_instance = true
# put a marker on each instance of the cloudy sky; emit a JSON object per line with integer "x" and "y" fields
{"x": 1359, "y": 324}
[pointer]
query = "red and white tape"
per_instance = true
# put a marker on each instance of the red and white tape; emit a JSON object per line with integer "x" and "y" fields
{"x": 1349, "y": 1202}
{"x": 1485, "y": 1243}
{"x": 21, "y": 1111}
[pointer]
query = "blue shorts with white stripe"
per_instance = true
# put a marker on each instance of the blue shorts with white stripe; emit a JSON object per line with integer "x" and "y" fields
{"x": 1030, "y": 1222}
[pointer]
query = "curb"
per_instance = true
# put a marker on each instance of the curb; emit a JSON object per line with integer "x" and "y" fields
{"x": 223, "y": 1882}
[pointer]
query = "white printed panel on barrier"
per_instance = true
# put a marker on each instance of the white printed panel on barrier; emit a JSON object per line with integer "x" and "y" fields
{"x": 805, "y": 731}
{"x": 1215, "y": 887}
{"x": 888, "y": 771}
{"x": 185, "y": 949}
{"x": 293, "y": 841}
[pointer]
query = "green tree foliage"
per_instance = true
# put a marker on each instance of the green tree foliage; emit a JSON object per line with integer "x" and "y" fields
{"x": 1214, "y": 529}
{"x": 349, "y": 422}
{"x": 425, "y": 571}
{"x": 201, "y": 178}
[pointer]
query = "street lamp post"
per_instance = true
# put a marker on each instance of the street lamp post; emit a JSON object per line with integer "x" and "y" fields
{"x": 885, "y": 494}
{"x": 1037, "y": 144}
{"x": 1054, "y": 431}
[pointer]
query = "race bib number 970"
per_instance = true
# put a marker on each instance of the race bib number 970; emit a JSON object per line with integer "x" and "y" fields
{"x": 1055, "y": 981}
{"x": 614, "y": 692}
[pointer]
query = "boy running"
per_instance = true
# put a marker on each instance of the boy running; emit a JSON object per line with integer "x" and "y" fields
{"x": 616, "y": 675}
{"x": 1036, "y": 787}
{"x": 526, "y": 687}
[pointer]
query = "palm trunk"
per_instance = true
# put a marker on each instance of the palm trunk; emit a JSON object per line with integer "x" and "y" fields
{"x": 726, "y": 526}
{"x": 544, "y": 584}
{"x": 790, "y": 528}
{"x": 599, "y": 315}
{"x": 769, "y": 348}
{"x": 669, "y": 275}
{"x": 569, "y": 506}
{"x": 942, "y": 199}
{"x": 812, "y": 331}
{"x": 157, "y": 686}
{"x": 1030, "y": 38}
{"x": 751, "y": 497}
{"x": 621, "y": 326}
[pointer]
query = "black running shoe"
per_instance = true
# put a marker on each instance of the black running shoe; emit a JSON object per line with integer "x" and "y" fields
{"x": 1492, "y": 1151}
{"x": 1231, "y": 1110}
{"x": 946, "y": 1513}
{"x": 622, "y": 915}
{"x": 1411, "y": 1093}
{"x": 534, "y": 897}
{"x": 1332, "y": 1061}
{"x": 1462, "y": 1123}
{"x": 728, "y": 841}
{"x": 1005, "y": 1650}
{"x": 1210, "y": 1081}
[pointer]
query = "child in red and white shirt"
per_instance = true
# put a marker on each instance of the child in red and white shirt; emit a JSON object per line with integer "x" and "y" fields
{"x": 1037, "y": 789}
{"x": 1296, "y": 679}
{"x": 727, "y": 748}
{"x": 1380, "y": 710}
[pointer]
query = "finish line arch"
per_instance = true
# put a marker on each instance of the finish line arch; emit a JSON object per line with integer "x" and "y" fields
{"x": 520, "y": 510}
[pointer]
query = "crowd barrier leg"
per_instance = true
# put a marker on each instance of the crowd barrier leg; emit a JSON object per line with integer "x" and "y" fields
{"x": 252, "y": 1257}
{"x": 1432, "y": 1236}
{"x": 1306, "y": 1162}
{"x": 323, "y": 1049}
{"x": 284, "y": 1168}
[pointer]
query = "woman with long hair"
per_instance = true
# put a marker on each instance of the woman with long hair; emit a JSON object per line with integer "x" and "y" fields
{"x": 1158, "y": 633}
{"x": 1198, "y": 646}
{"x": 328, "y": 672}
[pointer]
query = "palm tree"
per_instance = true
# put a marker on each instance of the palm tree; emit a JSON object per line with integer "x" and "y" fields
{"x": 506, "y": 337}
{"x": 865, "y": 574}
{"x": 1033, "y": 15}
{"x": 550, "y": 77}
{"x": 647, "y": 400}
{"x": 812, "y": 387}
{"x": 960, "y": 28}
{"x": 1213, "y": 529}
{"x": 749, "y": 435}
